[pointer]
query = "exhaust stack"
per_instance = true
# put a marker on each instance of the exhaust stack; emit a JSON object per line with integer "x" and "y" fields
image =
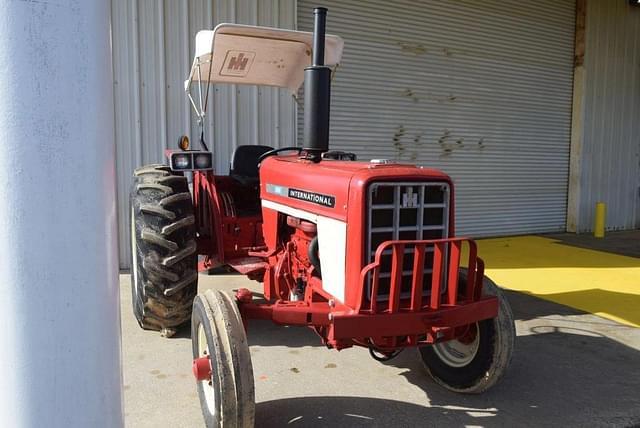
{"x": 317, "y": 93}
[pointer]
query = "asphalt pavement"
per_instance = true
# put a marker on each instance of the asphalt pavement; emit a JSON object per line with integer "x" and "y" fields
{"x": 569, "y": 369}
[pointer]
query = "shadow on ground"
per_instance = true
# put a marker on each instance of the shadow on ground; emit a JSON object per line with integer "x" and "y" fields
{"x": 528, "y": 307}
{"x": 556, "y": 375}
{"x": 266, "y": 333}
{"x": 624, "y": 243}
{"x": 345, "y": 412}
{"x": 559, "y": 376}
{"x": 624, "y": 306}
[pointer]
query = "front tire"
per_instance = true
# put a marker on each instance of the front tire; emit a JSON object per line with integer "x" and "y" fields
{"x": 164, "y": 276}
{"x": 227, "y": 399}
{"x": 479, "y": 359}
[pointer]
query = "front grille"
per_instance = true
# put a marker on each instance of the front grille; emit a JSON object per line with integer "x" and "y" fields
{"x": 406, "y": 211}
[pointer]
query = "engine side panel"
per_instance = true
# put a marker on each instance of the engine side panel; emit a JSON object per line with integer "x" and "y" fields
{"x": 332, "y": 236}
{"x": 332, "y": 239}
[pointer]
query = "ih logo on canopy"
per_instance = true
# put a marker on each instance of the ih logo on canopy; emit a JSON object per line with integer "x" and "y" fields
{"x": 237, "y": 63}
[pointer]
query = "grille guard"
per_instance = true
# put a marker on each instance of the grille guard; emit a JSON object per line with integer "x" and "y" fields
{"x": 418, "y": 320}
{"x": 441, "y": 247}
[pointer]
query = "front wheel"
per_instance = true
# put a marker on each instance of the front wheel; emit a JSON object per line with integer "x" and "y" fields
{"x": 479, "y": 358}
{"x": 227, "y": 395}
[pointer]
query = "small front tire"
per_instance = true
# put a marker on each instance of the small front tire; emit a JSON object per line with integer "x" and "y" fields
{"x": 227, "y": 399}
{"x": 479, "y": 359}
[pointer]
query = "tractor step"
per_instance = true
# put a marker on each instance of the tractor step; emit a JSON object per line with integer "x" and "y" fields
{"x": 248, "y": 265}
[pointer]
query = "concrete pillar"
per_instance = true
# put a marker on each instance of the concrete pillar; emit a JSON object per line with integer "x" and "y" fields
{"x": 577, "y": 122}
{"x": 59, "y": 310}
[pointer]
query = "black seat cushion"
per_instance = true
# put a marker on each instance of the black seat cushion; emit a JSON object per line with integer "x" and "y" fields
{"x": 244, "y": 161}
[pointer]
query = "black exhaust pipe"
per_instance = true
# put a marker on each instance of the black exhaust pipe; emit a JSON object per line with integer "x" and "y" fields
{"x": 317, "y": 93}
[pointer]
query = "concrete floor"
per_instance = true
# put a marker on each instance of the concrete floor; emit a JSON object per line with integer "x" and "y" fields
{"x": 569, "y": 369}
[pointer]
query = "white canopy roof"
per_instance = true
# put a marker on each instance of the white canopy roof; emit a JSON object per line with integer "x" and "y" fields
{"x": 249, "y": 55}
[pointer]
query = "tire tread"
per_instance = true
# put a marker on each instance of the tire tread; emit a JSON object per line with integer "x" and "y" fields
{"x": 165, "y": 249}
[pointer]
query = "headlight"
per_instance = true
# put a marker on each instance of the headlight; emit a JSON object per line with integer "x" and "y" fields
{"x": 203, "y": 161}
{"x": 191, "y": 160}
{"x": 182, "y": 161}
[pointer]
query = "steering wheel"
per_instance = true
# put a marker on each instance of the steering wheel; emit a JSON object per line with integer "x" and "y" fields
{"x": 276, "y": 151}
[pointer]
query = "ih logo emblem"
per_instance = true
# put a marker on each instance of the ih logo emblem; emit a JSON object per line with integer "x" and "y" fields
{"x": 409, "y": 198}
{"x": 237, "y": 63}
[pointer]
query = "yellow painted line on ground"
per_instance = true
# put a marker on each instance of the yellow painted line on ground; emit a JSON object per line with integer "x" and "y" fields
{"x": 601, "y": 283}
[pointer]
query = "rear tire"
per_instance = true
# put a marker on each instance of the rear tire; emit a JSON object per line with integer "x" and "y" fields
{"x": 227, "y": 399}
{"x": 164, "y": 276}
{"x": 476, "y": 364}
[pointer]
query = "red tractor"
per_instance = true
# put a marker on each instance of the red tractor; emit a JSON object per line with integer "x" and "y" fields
{"x": 364, "y": 253}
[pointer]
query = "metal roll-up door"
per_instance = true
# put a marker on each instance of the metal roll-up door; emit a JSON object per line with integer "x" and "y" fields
{"x": 481, "y": 90}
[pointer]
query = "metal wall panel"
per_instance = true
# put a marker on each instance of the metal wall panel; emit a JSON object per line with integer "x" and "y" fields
{"x": 610, "y": 170}
{"x": 482, "y": 90}
{"x": 153, "y": 45}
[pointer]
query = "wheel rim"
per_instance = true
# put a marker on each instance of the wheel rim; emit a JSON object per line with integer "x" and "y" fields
{"x": 210, "y": 393}
{"x": 134, "y": 256}
{"x": 456, "y": 353}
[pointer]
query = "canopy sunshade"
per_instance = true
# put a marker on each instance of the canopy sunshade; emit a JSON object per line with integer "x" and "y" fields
{"x": 250, "y": 55}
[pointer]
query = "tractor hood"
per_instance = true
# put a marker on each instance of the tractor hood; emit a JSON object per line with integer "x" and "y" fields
{"x": 325, "y": 188}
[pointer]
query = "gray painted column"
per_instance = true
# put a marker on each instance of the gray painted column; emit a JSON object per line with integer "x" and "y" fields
{"x": 59, "y": 309}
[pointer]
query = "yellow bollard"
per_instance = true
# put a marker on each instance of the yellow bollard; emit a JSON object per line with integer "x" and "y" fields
{"x": 601, "y": 212}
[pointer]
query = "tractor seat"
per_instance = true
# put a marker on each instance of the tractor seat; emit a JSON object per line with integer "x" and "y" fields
{"x": 244, "y": 163}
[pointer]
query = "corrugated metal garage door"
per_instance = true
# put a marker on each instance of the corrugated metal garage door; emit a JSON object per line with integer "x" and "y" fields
{"x": 481, "y": 90}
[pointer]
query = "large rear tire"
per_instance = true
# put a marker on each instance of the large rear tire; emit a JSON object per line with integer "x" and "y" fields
{"x": 479, "y": 359}
{"x": 227, "y": 398}
{"x": 164, "y": 276}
